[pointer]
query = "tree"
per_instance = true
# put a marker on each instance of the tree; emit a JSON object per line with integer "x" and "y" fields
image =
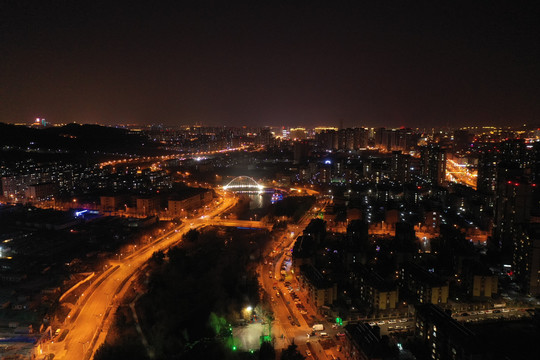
{"x": 158, "y": 257}
{"x": 267, "y": 351}
{"x": 125, "y": 350}
{"x": 192, "y": 235}
{"x": 120, "y": 320}
{"x": 291, "y": 353}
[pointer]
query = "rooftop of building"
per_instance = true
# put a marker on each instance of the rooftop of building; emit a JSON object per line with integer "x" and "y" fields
{"x": 304, "y": 247}
{"x": 186, "y": 193}
{"x": 449, "y": 328}
{"x": 511, "y": 340}
{"x": 367, "y": 338}
{"x": 375, "y": 280}
{"x": 315, "y": 277}
{"x": 422, "y": 275}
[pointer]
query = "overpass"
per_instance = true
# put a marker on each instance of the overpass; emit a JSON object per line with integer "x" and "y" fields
{"x": 239, "y": 223}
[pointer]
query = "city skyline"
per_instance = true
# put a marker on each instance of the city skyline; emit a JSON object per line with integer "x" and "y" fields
{"x": 146, "y": 242}
{"x": 294, "y": 64}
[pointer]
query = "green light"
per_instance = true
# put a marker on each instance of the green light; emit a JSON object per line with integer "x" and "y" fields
{"x": 234, "y": 348}
{"x": 339, "y": 321}
{"x": 251, "y": 351}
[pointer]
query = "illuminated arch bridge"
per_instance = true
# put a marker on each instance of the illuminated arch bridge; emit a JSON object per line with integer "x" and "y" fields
{"x": 244, "y": 184}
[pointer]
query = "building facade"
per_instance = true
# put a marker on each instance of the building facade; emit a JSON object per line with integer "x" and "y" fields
{"x": 424, "y": 286}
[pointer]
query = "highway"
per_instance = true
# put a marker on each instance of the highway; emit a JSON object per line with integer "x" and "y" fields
{"x": 158, "y": 159}
{"x": 88, "y": 321}
{"x": 460, "y": 174}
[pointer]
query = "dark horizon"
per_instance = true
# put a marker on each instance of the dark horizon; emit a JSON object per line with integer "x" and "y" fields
{"x": 272, "y": 64}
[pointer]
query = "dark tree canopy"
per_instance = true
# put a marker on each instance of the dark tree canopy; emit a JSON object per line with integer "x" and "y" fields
{"x": 292, "y": 353}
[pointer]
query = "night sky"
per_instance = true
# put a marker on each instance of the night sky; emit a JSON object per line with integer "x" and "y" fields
{"x": 273, "y": 63}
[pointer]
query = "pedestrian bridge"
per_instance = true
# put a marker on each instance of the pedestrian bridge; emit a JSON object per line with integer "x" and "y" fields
{"x": 244, "y": 184}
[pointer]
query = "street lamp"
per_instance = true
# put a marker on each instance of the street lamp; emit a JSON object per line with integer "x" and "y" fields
{"x": 246, "y": 312}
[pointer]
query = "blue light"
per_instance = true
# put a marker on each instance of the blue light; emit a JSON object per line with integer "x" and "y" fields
{"x": 79, "y": 213}
{"x": 276, "y": 197}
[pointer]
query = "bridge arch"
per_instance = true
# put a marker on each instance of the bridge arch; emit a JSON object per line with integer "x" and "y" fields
{"x": 244, "y": 184}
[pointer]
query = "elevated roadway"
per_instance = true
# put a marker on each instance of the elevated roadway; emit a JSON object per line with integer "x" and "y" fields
{"x": 242, "y": 223}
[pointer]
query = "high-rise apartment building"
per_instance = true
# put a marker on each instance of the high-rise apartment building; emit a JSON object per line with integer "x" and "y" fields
{"x": 462, "y": 139}
{"x": 512, "y": 208}
{"x": 301, "y": 151}
{"x": 526, "y": 258}
{"x": 444, "y": 337}
{"x": 434, "y": 164}
{"x": 487, "y": 170}
{"x": 400, "y": 165}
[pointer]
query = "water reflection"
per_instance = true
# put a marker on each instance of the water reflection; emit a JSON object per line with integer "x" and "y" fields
{"x": 259, "y": 201}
